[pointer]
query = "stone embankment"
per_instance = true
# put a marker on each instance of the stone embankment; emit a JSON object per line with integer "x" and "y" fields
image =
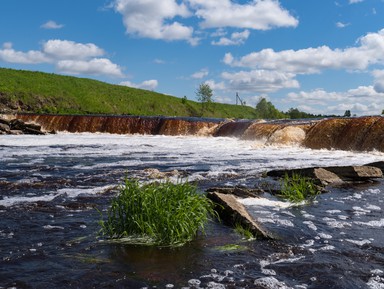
{"x": 16, "y": 127}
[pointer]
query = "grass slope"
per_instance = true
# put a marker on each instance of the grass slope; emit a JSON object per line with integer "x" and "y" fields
{"x": 38, "y": 92}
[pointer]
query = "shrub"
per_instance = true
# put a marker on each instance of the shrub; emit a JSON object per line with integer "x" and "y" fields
{"x": 297, "y": 188}
{"x": 157, "y": 213}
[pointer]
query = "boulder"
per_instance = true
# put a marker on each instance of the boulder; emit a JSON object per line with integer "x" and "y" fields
{"x": 379, "y": 164}
{"x": 233, "y": 213}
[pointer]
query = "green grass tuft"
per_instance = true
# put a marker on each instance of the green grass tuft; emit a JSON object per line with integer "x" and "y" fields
{"x": 163, "y": 214}
{"x": 297, "y": 188}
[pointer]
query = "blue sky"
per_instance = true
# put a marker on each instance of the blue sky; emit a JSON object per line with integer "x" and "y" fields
{"x": 321, "y": 56}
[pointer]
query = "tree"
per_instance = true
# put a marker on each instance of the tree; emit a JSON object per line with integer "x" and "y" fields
{"x": 347, "y": 113}
{"x": 204, "y": 94}
{"x": 265, "y": 109}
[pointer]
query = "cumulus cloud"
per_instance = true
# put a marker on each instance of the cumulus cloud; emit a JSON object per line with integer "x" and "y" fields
{"x": 312, "y": 60}
{"x": 259, "y": 80}
{"x": 64, "y": 49}
{"x": 52, "y": 25}
{"x": 379, "y": 80}
{"x": 355, "y": 1}
{"x": 8, "y": 54}
{"x": 164, "y": 19}
{"x": 147, "y": 84}
{"x": 95, "y": 66}
{"x": 362, "y": 100}
{"x": 153, "y": 19}
{"x": 258, "y": 14}
{"x": 67, "y": 56}
{"x": 237, "y": 38}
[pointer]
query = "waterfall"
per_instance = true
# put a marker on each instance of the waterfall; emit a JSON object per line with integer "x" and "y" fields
{"x": 360, "y": 133}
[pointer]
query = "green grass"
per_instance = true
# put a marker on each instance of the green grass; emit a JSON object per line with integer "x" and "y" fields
{"x": 164, "y": 214}
{"x": 297, "y": 188}
{"x": 39, "y": 92}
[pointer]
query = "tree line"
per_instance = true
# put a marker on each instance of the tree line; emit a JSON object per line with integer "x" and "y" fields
{"x": 264, "y": 109}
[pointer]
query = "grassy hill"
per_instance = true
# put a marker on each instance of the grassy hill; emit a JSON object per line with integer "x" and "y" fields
{"x": 27, "y": 91}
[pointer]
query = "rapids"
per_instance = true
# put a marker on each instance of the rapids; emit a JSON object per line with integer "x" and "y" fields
{"x": 52, "y": 186}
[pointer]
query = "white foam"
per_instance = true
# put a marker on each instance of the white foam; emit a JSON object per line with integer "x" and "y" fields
{"x": 271, "y": 283}
{"x": 69, "y": 192}
{"x": 359, "y": 242}
{"x": 375, "y": 224}
{"x": 264, "y": 202}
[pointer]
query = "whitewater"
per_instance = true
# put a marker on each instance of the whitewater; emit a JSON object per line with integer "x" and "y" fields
{"x": 52, "y": 186}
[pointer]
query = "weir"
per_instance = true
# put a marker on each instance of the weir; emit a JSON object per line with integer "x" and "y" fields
{"x": 357, "y": 134}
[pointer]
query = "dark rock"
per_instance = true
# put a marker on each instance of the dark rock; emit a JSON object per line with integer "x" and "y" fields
{"x": 4, "y": 127}
{"x": 16, "y": 127}
{"x": 233, "y": 213}
{"x": 237, "y": 191}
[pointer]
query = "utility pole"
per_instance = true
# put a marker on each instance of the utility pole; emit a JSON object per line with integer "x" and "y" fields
{"x": 239, "y": 99}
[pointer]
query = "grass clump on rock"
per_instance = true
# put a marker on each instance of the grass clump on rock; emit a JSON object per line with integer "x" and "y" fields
{"x": 164, "y": 214}
{"x": 297, "y": 188}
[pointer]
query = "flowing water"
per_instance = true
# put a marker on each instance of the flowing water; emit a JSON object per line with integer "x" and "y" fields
{"x": 52, "y": 188}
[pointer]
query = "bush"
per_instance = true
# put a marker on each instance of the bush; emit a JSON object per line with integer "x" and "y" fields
{"x": 157, "y": 213}
{"x": 297, "y": 188}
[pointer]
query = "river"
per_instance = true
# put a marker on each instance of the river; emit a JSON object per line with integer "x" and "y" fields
{"x": 52, "y": 188}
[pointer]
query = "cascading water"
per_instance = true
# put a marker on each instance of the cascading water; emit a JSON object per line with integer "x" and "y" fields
{"x": 358, "y": 134}
{"x": 51, "y": 185}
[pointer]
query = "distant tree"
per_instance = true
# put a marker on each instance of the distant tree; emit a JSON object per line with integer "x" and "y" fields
{"x": 204, "y": 94}
{"x": 184, "y": 100}
{"x": 347, "y": 113}
{"x": 265, "y": 109}
{"x": 382, "y": 112}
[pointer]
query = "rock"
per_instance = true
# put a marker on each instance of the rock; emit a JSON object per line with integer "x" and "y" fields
{"x": 356, "y": 173}
{"x": 237, "y": 191}
{"x": 16, "y": 127}
{"x": 4, "y": 127}
{"x": 233, "y": 213}
{"x": 379, "y": 165}
{"x": 333, "y": 175}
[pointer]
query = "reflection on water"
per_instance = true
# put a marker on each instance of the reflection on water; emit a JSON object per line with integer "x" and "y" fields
{"x": 51, "y": 185}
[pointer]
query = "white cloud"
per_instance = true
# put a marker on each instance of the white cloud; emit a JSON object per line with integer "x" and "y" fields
{"x": 8, "y": 54}
{"x": 362, "y": 100}
{"x": 200, "y": 74}
{"x": 147, "y": 84}
{"x": 342, "y": 25}
{"x": 259, "y": 81}
{"x": 95, "y": 66}
{"x": 157, "y": 19}
{"x": 237, "y": 38}
{"x": 379, "y": 80}
{"x": 64, "y": 49}
{"x": 68, "y": 57}
{"x": 313, "y": 60}
{"x": 153, "y": 19}
{"x": 258, "y": 14}
{"x": 355, "y": 1}
{"x": 52, "y": 25}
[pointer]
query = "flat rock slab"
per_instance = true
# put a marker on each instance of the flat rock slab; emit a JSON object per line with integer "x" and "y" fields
{"x": 233, "y": 213}
{"x": 333, "y": 175}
